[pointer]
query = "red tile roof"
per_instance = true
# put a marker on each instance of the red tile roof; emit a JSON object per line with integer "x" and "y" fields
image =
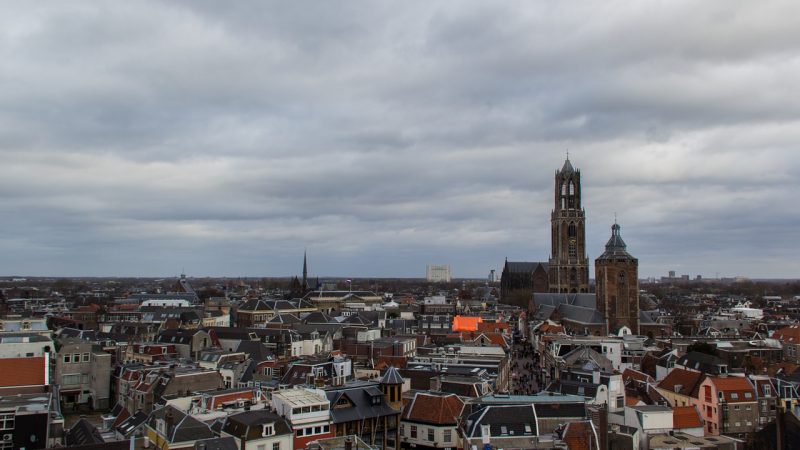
{"x": 685, "y": 381}
{"x": 23, "y": 371}
{"x": 735, "y": 389}
{"x": 434, "y": 409}
{"x": 466, "y": 323}
{"x": 686, "y": 417}
{"x": 635, "y": 375}
{"x": 790, "y": 334}
{"x": 580, "y": 436}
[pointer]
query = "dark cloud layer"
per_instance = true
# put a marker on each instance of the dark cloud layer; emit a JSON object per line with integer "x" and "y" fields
{"x": 142, "y": 138}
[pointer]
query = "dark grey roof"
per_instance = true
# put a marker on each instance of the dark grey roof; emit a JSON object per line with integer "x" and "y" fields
{"x": 615, "y": 247}
{"x": 284, "y": 318}
{"x": 525, "y": 266}
{"x": 573, "y": 388}
{"x": 702, "y": 362}
{"x": 361, "y": 396}
{"x": 503, "y": 420}
{"x": 579, "y": 308}
{"x": 83, "y": 433}
{"x": 588, "y": 359}
{"x": 564, "y": 410}
{"x": 248, "y": 424}
{"x": 567, "y": 166}
{"x": 217, "y": 443}
{"x": 392, "y": 376}
{"x": 185, "y": 427}
{"x": 129, "y": 425}
{"x": 255, "y": 350}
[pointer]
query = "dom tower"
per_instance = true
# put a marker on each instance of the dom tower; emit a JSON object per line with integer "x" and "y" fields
{"x": 569, "y": 266}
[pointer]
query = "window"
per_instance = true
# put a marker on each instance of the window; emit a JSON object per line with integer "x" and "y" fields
{"x": 767, "y": 391}
{"x": 86, "y": 357}
{"x": 431, "y": 436}
{"x": 84, "y": 378}
{"x": 7, "y": 421}
{"x": 749, "y": 407}
{"x": 268, "y": 430}
{"x": 74, "y": 378}
{"x": 301, "y": 432}
{"x": 402, "y": 429}
{"x": 448, "y": 436}
{"x": 735, "y": 407}
{"x": 734, "y": 396}
{"x": 326, "y": 429}
{"x": 276, "y": 445}
{"x": 261, "y": 447}
{"x": 67, "y": 359}
{"x": 414, "y": 431}
{"x": 748, "y": 395}
{"x": 76, "y": 357}
{"x": 317, "y": 430}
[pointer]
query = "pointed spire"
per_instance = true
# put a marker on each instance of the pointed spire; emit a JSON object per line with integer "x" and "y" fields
{"x": 567, "y": 165}
{"x": 305, "y": 270}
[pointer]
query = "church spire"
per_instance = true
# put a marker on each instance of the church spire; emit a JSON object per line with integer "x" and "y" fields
{"x": 305, "y": 271}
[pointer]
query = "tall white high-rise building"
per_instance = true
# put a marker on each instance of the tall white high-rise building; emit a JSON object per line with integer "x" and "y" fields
{"x": 438, "y": 273}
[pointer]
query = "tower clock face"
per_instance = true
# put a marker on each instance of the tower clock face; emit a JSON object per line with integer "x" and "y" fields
{"x": 573, "y": 241}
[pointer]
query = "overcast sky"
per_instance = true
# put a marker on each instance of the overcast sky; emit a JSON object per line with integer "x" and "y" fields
{"x": 224, "y": 138}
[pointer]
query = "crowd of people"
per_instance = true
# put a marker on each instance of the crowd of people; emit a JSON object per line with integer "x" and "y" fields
{"x": 525, "y": 369}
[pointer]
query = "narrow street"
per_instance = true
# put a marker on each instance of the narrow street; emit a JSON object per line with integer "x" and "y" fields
{"x": 524, "y": 370}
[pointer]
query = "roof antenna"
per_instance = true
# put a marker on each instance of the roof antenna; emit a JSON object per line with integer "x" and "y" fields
{"x": 615, "y": 218}
{"x": 567, "y": 154}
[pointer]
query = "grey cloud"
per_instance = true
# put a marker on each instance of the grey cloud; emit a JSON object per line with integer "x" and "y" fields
{"x": 140, "y": 138}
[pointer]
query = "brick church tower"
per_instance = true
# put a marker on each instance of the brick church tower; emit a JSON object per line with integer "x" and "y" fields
{"x": 617, "y": 278}
{"x": 568, "y": 267}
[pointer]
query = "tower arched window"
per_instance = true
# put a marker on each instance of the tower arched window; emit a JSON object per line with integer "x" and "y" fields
{"x": 572, "y": 233}
{"x": 621, "y": 278}
{"x": 571, "y": 195}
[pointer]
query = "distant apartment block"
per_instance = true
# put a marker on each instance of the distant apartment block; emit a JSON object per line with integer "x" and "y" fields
{"x": 438, "y": 273}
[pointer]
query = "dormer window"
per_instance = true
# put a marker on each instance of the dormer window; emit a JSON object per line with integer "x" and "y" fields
{"x": 268, "y": 429}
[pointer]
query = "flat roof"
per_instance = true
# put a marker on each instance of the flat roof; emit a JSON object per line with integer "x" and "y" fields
{"x": 299, "y": 397}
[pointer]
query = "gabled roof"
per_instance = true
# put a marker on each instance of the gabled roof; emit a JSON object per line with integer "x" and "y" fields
{"x": 686, "y": 417}
{"x": 185, "y": 428}
{"x": 503, "y": 421}
{"x": 83, "y": 433}
{"x": 524, "y": 267}
{"x": 682, "y": 381}
{"x": 580, "y": 435}
{"x": 734, "y": 389}
{"x": 360, "y": 396}
{"x": 584, "y": 354}
{"x": 435, "y": 409}
{"x": 248, "y": 425}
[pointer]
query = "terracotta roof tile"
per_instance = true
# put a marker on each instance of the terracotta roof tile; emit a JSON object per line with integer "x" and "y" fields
{"x": 580, "y": 436}
{"x": 790, "y": 334}
{"x": 434, "y": 409}
{"x": 735, "y": 389}
{"x": 686, "y": 417}
{"x": 22, "y": 371}
{"x": 466, "y": 323}
{"x": 687, "y": 380}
